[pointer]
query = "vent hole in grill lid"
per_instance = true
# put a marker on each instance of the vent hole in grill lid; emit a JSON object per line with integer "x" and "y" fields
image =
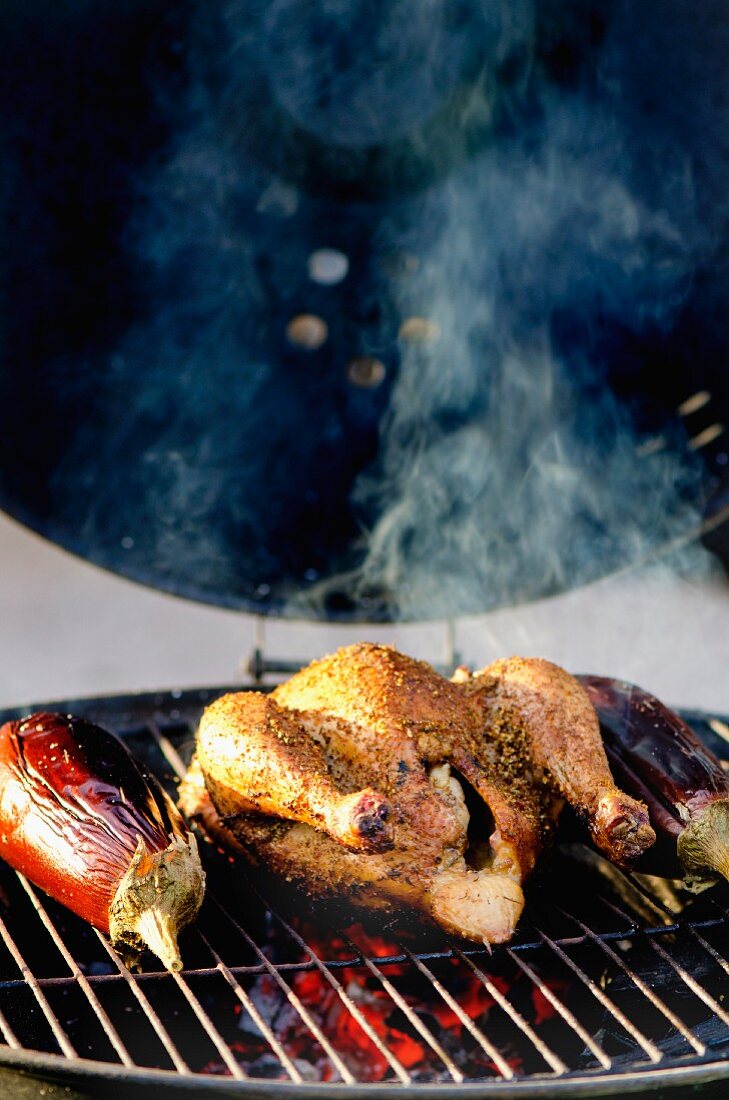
{"x": 327, "y": 266}
{"x": 419, "y": 331}
{"x": 307, "y": 331}
{"x": 366, "y": 372}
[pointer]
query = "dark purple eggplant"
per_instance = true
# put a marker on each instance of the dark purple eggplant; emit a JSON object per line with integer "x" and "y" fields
{"x": 82, "y": 820}
{"x": 658, "y": 758}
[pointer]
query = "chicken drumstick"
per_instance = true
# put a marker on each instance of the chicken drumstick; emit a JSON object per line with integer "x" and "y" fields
{"x": 537, "y": 705}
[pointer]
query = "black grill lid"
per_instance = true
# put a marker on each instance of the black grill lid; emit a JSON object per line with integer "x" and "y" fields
{"x": 360, "y": 310}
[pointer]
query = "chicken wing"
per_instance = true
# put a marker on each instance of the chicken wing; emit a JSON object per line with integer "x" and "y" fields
{"x": 546, "y": 715}
{"x": 385, "y": 722}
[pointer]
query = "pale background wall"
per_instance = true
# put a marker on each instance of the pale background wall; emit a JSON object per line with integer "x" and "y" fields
{"x": 71, "y": 629}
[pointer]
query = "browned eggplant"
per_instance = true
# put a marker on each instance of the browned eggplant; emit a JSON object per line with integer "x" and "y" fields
{"x": 82, "y": 820}
{"x": 656, "y": 756}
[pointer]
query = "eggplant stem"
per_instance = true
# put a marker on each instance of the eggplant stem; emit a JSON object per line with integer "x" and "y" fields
{"x": 159, "y": 894}
{"x": 703, "y": 846}
{"x": 159, "y": 932}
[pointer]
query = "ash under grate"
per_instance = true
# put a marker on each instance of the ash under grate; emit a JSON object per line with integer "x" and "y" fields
{"x": 271, "y": 992}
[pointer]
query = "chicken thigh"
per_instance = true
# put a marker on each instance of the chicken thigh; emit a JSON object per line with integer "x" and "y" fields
{"x": 547, "y": 716}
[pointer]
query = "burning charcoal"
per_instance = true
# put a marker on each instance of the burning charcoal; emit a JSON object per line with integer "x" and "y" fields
{"x": 267, "y": 1067}
{"x": 81, "y": 819}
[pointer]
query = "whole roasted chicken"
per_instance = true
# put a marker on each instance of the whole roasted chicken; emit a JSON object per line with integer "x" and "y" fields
{"x": 369, "y": 777}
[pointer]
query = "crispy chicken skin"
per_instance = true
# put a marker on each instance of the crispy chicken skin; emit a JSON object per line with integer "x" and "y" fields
{"x": 547, "y": 715}
{"x": 397, "y": 718}
{"x": 381, "y": 722}
{"x": 258, "y": 756}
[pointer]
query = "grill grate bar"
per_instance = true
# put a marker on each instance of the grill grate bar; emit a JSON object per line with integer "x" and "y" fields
{"x": 9, "y": 1035}
{"x": 569, "y": 1017}
{"x": 30, "y": 979}
{"x": 683, "y": 974}
{"x": 686, "y": 926}
{"x": 160, "y": 1030}
{"x": 545, "y": 1051}
{"x": 674, "y": 924}
{"x": 109, "y": 1030}
{"x": 718, "y": 959}
{"x": 423, "y": 1031}
{"x": 650, "y": 1048}
{"x": 253, "y": 1012}
{"x": 167, "y": 749}
{"x": 691, "y": 982}
{"x": 396, "y": 1066}
{"x": 499, "y": 1061}
{"x": 645, "y": 989}
{"x": 382, "y": 960}
{"x": 209, "y": 1027}
{"x": 292, "y": 998}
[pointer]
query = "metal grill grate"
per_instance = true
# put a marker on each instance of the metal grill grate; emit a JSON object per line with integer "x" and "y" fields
{"x": 604, "y": 980}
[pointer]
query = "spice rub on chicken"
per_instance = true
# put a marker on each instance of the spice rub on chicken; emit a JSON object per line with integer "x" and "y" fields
{"x": 547, "y": 717}
{"x": 282, "y": 773}
{"x": 259, "y": 756}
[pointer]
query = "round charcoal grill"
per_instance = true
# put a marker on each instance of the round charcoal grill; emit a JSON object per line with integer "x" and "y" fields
{"x": 365, "y": 310}
{"x": 604, "y": 991}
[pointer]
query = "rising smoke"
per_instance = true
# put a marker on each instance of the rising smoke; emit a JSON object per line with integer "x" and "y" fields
{"x": 507, "y": 468}
{"x": 554, "y": 210}
{"x": 504, "y": 466}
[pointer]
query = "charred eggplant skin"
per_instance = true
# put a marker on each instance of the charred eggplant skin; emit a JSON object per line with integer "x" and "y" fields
{"x": 657, "y": 757}
{"x": 76, "y": 809}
